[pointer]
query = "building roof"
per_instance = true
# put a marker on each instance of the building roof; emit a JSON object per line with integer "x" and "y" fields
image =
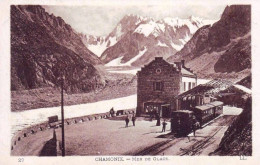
{"x": 211, "y": 88}
{"x": 204, "y": 107}
{"x": 243, "y": 88}
{"x": 179, "y": 66}
{"x": 209, "y": 105}
{"x": 216, "y": 103}
{"x": 182, "y": 111}
{"x": 236, "y": 90}
{"x": 185, "y": 71}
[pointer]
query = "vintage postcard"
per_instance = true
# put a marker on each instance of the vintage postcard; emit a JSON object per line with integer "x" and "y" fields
{"x": 148, "y": 82}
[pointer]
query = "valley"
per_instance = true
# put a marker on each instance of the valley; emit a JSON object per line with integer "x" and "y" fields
{"x": 196, "y": 67}
{"x": 117, "y": 85}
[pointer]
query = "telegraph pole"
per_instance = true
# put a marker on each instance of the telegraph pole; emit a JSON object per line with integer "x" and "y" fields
{"x": 62, "y": 119}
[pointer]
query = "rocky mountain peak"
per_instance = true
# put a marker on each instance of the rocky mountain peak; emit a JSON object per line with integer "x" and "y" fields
{"x": 38, "y": 13}
{"x": 158, "y": 38}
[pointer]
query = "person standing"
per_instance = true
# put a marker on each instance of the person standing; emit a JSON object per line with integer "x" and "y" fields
{"x": 158, "y": 123}
{"x": 133, "y": 120}
{"x": 172, "y": 122}
{"x": 194, "y": 129}
{"x": 164, "y": 126}
{"x": 151, "y": 115}
{"x": 126, "y": 121}
{"x": 195, "y": 124}
{"x": 112, "y": 112}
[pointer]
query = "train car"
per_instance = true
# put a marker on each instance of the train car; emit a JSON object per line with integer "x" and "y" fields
{"x": 218, "y": 108}
{"x": 181, "y": 123}
{"x": 207, "y": 112}
{"x": 182, "y": 120}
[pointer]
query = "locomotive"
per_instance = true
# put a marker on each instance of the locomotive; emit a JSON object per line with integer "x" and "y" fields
{"x": 181, "y": 122}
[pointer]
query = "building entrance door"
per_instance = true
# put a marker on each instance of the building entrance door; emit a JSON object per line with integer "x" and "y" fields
{"x": 165, "y": 111}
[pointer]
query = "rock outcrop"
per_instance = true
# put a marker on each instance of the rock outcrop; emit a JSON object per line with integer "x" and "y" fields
{"x": 224, "y": 47}
{"x": 237, "y": 140}
{"x": 44, "y": 48}
{"x": 247, "y": 81}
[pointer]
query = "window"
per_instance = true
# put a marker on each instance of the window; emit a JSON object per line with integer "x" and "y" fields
{"x": 189, "y": 85}
{"x": 158, "y": 86}
{"x": 193, "y": 85}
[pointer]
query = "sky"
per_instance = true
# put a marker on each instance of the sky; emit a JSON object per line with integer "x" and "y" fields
{"x": 101, "y": 20}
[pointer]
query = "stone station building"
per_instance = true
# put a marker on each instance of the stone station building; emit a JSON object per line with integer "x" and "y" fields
{"x": 159, "y": 83}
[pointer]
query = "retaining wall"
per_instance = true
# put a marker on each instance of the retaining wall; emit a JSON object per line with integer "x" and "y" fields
{"x": 31, "y": 130}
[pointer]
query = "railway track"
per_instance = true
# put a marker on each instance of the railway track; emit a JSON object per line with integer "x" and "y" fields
{"x": 198, "y": 146}
{"x": 192, "y": 150}
{"x": 155, "y": 149}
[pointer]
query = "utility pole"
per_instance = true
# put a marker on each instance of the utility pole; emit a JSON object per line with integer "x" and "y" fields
{"x": 62, "y": 119}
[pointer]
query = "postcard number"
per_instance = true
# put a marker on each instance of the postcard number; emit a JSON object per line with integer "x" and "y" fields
{"x": 20, "y": 159}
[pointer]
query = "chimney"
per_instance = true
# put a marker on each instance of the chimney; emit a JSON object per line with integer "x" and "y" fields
{"x": 158, "y": 58}
{"x": 178, "y": 65}
{"x": 182, "y": 63}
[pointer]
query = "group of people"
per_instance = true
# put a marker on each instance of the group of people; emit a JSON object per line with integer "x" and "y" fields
{"x": 127, "y": 119}
{"x": 153, "y": 114}
{"x": 195, "y": 124}
{"x": 133, "y": 118}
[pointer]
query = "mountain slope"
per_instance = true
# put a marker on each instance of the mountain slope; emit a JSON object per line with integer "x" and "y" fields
{"x": 237, "y": 140}
{"x": 223, "y": 48}
{"x": 44, "y": 47}
{"x": 247, "y": 81}
{"x": 134, "y": 34}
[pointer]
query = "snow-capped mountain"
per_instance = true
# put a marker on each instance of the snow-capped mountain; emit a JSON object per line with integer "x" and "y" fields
{"x": 143, "y": 38}
{"x": 98, "y": 44}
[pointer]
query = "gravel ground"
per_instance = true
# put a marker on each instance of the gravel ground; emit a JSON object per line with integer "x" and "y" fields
{"x": 99, "y": 137}
{"x": 110, "y": 137}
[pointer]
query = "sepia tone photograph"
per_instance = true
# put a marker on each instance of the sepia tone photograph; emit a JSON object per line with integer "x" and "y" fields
{"x": 137, "y": 80}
